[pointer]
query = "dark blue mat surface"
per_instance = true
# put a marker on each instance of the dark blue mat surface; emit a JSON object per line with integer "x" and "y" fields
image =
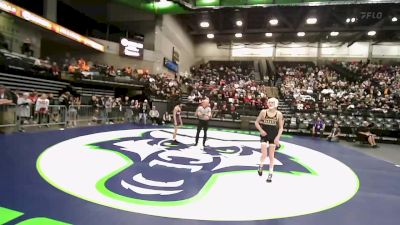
{"x": 23, "y": 189}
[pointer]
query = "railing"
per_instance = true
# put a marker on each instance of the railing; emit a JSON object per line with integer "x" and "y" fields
{"x": 19, "y": 118}
{"x": 8, "y": 118}
{"x": 89, "y": 114}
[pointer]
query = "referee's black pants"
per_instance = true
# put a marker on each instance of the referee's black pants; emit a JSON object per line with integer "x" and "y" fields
{"x": 203, "y": 124}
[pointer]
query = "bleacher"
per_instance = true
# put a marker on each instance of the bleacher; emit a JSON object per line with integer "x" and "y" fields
{"x": 344, "y": 73}
{"x": 12, "y": 62}
{"x": 387, "y": 127}
{"x": 16, "y": 63}
{"x": 27, "y": 84}
{"x": 242, "y": 64}
{"x": 293, "y": 63}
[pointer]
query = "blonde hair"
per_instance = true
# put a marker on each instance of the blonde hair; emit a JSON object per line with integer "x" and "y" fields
{"x": 275, "y": 102}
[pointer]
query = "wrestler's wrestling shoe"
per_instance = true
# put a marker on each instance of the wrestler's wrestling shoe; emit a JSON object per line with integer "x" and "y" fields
{"x": 269, "y": 179}
{"x": 260, "y": 171}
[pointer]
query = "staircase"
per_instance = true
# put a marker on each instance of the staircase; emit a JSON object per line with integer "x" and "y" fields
{"x": 284, "y": 107}
{"x": 184, "y": 98}
{"x": 257, "y": 72}
{"x": 272, "y": 73}
{"x": 263, "y": 69}
{"x": 272, "y": 92}
{"x": 344, "y": 73}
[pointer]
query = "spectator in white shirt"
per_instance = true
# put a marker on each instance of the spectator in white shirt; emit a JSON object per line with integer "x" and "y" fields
{"x": 191, "y": 97}
{"x": 167, "y": 118}
{"x": 42, "y": 108}
{"x": 154, "y": 115}
{"x": 24, "y": 108}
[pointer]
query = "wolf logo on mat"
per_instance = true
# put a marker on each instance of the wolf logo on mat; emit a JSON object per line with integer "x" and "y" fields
{"x": 166, "y": 171}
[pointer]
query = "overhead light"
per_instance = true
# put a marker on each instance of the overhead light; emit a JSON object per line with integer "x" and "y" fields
{"x": 273, "y": 22}
{"x": 238, "y": 35}
{"x": 301, "y": 34}
{"x": 394, "y": 19}
{"x": 204, "y": 24}
{"x": 239, "y": 23}
{"x": 371, "y": 33}
{"x": 353, "y": 19}
{"x": 268, "y": 34}
{"x": 164, "y": 3}
{"x": 311, "y": 20}
{"x": 210, "y": 36}
{"x": 334, "y": 33}
{"x": 208, "y": 1}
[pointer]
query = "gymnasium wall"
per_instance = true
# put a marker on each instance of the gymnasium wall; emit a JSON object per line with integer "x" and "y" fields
{"x": 300, "y": 51}
{"x": 16, "y": 31}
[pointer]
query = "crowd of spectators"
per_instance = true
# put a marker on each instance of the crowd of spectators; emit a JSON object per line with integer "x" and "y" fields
{"x": 107, "y": 109}
{"x": 317, "y": 88}
{"x": 69, "y": 68}
{"x": 37, "y": 109}
{"x": 42, "y": 108}
{"x": 229, "y": 88}
{"x": 83, "y": 68}
{"x": 160, "y": 86}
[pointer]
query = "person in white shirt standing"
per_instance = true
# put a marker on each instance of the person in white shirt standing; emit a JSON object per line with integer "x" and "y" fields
{"x": 167, "y": 118}
{"x": 42, "y": 108}
{"x": 154, "y": 115}
{"x": 24, "y": 108}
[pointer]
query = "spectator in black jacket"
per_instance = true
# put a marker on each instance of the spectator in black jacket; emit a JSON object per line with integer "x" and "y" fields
{"x": 7, "y": 111}
{"x": 6, "y": 96}
{"x": 144, "y": 110}
{"x": 94, "y": 103}
{"x": 64, "y": 101}
{"x": 364, "y": 134}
